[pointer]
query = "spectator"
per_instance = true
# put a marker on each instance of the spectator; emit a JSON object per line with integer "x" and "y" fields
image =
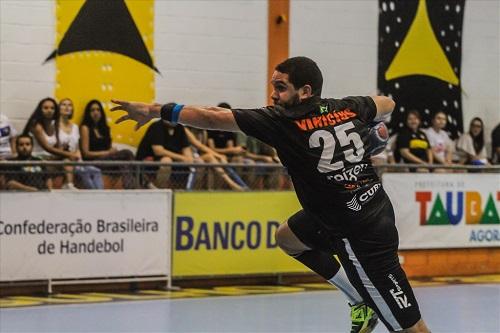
{"x": 7, "y": 138}
{"x": 495, "y": 145}
{"x": 412, "y": 145}
{"x": 470, "y": 146}
{"x": 260, "y": 152}
{"x": 441, "y": 144}
{"x": 225, "y": 143}
{"x": 27, "y": 177}
{"x": 96, "y": 142}
{"x": 44, "y": 126}
{"x": 69, "y": 137}
{"x": 198, "y": 138}
{"x": 166, "y": 143}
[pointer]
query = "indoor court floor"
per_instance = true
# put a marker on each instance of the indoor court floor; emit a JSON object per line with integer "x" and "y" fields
{"x": 467, "y": 308}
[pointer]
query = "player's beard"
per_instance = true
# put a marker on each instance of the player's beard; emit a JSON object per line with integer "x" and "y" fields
{"x": 295, "y": 100}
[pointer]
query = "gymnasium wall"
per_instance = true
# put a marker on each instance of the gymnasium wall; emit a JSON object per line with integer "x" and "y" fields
{"x": 342, "y": 37}
{"x": 212, "y": 51}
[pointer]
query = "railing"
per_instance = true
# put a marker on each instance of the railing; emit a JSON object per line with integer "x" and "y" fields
{"x": 142, "y": 174}
{"x": 178, "y": 176}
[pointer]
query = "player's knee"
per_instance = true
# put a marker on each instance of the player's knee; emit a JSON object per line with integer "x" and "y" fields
{"x": 287, "y": 241}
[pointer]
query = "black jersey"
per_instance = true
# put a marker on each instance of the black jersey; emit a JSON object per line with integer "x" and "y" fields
{"x": 322, "y": 143}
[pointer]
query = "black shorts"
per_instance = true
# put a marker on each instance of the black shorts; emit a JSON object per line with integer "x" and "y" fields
{"x": 370, "y": 258}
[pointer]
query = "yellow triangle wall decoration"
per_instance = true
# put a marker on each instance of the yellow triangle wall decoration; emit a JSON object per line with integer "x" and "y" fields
{"x": 420, "y": 53}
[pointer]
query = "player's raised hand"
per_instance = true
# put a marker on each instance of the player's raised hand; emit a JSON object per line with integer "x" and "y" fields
{"x": 142, "y": 113}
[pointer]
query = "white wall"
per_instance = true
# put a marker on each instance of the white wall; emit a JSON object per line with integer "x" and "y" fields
{"x": 206, "y": 51}
{"x": 212, "y": 51}
{"x": 27, "y": 37}
{"x": 481, "y": 63}
{"x": 341, "y": 36}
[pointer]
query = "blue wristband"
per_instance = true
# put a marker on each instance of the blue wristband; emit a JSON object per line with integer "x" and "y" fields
{"x": 176, "y": 112}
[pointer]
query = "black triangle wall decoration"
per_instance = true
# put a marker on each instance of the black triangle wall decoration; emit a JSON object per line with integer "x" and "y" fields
{"x": 104, "y": 25}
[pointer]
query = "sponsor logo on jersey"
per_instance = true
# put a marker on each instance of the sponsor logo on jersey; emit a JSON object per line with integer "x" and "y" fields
{"x": 370, "y": 193}
{"x": 324, "y": 120}
{"x": 353, "y": 204}
{"x": 366, "y": 196}
{"x": 398, "y": 294}
{"x": 350, "y": 174}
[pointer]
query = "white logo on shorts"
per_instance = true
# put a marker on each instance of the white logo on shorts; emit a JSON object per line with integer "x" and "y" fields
{"x": 400, "y": 298}
{"x": 353, "y": 204}
{"x": 399, "y": 295}
{"x": 370, "y": 193}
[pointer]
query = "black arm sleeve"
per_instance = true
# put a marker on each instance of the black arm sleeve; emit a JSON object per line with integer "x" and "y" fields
{"x": 364, "y": 106}
{"x": 259, "y": 123}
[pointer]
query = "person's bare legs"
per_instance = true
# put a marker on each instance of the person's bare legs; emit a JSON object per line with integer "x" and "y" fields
{"x": 163, "y": 174}
{"x": 208, "y": 158}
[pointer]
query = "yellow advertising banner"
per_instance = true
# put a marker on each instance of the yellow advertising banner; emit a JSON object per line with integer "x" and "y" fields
{"x": 231, "y": 233}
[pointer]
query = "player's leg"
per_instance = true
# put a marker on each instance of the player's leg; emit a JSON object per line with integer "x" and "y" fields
{"x": 371, "y": 261}
{"x": 292, "y": 237}
{"x": 303, "y": 239}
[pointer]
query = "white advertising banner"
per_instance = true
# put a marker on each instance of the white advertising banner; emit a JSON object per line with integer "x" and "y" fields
{"x": 84, "y": 234}
{"x": 445, "y": 210}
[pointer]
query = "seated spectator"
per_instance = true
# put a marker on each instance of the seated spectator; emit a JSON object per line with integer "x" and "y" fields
{"x": 69, "y": 137}
{"x": 226, "y": 143}
{"x": 96, "y": 142}
{"x": 470, "y": 146}
{"x": 7, "y": 138}
{"x": 166, "y": 143}
{"x": 7, "y": 143}
{"x": 27, "y": 177}
{"x": 495, "y": 145}
{"x": 412, "y": 145}
{"x": 44, "y": 126}
{"x": 198, "y": 138}
{"x": 441, "y": 144}
{"x": 259, "y": 152}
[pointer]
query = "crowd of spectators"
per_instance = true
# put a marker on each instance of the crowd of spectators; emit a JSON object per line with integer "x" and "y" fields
{"x": 51, "y": 135}
{"x": 433, "y": 145}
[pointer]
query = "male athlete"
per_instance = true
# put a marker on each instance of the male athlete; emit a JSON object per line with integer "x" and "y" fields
{"x": 325, "y": 145}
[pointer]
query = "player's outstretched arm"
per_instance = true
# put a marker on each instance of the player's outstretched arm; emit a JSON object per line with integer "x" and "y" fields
{"x": 385, "y": 106}
{"x": 207, "y": 117}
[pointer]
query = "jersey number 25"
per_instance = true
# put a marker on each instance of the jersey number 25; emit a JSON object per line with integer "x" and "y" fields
{"x": 355, "y": 155}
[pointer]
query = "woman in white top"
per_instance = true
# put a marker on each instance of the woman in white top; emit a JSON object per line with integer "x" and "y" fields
{"x": 441, "y": 144}
{"x": 69, "y": 137}
{"x": 43, "y": 126}
{"x": 470, "y": 146}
